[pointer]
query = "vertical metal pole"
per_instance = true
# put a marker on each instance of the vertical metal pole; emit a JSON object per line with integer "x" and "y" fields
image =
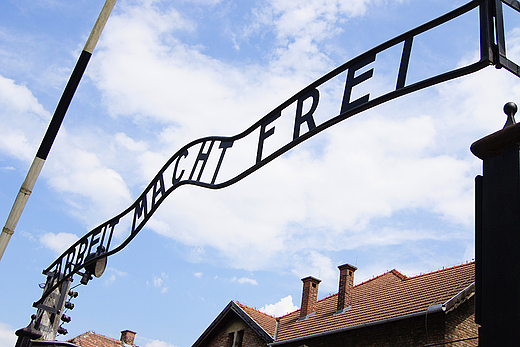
{"x": 500, "y": 33}
{"x": 487, "y": 31}
{"x": 54, "y": 126}
{"x": 478, "y": 249}
{"x": 497, "y": 235}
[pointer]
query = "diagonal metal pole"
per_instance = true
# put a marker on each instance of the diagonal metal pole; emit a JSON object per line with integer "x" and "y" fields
{"x": 54, "y": 126}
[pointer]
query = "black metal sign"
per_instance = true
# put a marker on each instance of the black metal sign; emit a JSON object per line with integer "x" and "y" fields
{"x": 209, "y": 162}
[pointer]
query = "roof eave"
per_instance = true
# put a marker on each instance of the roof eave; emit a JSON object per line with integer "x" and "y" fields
{"x": 233, "y": 307}
{"x": 460, "y": 298}
{"x": 52, "y": 343}
{"x": 213, "y": 325}
{"x": 448, "y": 306}
{"x": 252, "y": 323}
{"x": 431, "y": 309}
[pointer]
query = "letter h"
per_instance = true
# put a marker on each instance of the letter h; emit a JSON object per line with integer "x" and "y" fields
{"x": 201, "y": 157}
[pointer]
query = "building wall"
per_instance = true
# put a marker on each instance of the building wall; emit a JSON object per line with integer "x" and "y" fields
{"x": 460, "y": 324}
{"x": 411, "y": 332}
{"x": 434, "y": 328}
{"x": 224, "y": 339}
{"x": 251, "y": 339}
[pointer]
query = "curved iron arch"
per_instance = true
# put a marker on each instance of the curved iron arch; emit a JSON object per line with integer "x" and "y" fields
{"x": 75, "y": 259}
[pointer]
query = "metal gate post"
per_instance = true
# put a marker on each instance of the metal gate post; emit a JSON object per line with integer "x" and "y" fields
{"x": 26, "y": 335}
{"x": 497, "y": 235}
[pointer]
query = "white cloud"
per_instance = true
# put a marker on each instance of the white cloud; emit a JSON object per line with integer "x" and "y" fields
{"x": 345, "y": 189}
{"x": 159, "y": 282}
{"x": 282, "y": 307}
{"x": 130, "y": 143}
{"x": 313, "y": 263}
{"x": 513, "y": 45}
{"x": 393, "y": 161}
{"x": 92, "y": 189}
{"x": 300, "y": 28}
{"x": 470, "y": 252}
{"x": 157, "y": 343}
{"x": 322, "y": 196}
{"x": 23, "y": 120}
{"x": 7, "y": 336}
{"x": 328, "y": 192}
{"x": 306, "y": 19}
{"x": 58, "y": 242}
{"x": 74, "y": 169}
{"x": 112, "y": 274}
{"x": 243, "y": 280}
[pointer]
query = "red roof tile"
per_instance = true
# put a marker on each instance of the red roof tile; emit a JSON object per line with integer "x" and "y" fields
{"x": 265, "y": 321}
{"x": 91, "y": 339}
{"x": 387, "y": 296}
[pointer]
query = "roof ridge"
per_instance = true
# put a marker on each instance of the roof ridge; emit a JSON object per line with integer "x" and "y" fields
{"x": 404, "y": 277}
{"x": 257, "y": 323}
{"x": 399, "y": 274}
{"x": 328, "y": 296}
{"x": 254, "y": 309}
{"x": 393, "y": 272}
{"x": 91, "y": 332}
{"x": 442, "y": 269}
{"x": 288, "y": 313}
{"x": 80, "y": 336}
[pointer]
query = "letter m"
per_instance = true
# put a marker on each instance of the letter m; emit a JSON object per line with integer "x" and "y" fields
{"x": 141, "y": 210}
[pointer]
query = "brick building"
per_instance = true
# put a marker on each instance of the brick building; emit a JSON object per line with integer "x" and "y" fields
{"x": 434, "y": 309}
{"x": 92, "y": 339}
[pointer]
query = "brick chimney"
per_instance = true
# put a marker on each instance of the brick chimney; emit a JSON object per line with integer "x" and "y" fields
{"x": 346, "y": 282}
{"x": 127, "y": 337}
{"x": 309, "y": 296}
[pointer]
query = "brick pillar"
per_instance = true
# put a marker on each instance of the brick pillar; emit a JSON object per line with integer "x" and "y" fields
{"x": 346, "y": 282}
{"x": 309, "y": 296}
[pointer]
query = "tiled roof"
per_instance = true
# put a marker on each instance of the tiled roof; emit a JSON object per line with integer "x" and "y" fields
{"x": 265, "y": 321}
{"x": 91, "y": 339}
{"x": 261, "y": 323}
{"x": 387, "y": 296}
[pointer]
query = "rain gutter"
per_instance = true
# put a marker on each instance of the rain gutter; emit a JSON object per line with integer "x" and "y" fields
{"x": 431, "y": 309}
{"x": 447, "y": 306}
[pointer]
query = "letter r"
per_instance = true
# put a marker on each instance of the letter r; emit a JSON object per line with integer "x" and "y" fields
{"x": 306, "y": 118}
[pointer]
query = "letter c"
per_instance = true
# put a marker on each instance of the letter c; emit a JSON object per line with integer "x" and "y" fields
{"x": 176, "y": 179}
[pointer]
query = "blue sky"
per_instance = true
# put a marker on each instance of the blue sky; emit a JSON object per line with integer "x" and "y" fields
{"x": 389, "y": 188}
